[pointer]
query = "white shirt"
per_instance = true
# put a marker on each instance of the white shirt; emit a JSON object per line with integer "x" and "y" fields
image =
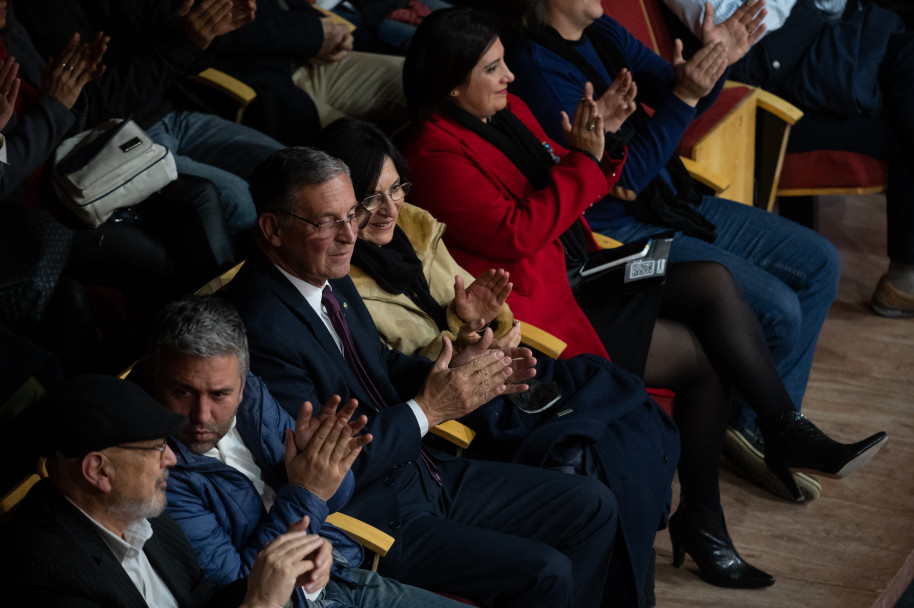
{"x": 128, "y": 551}
{"x": 312, "y": 296}
{"x": 691, "y": 12}
{"x": 832, "y": 8}
{"x": 3, "y": 150}
{"x": 232, "y": 451}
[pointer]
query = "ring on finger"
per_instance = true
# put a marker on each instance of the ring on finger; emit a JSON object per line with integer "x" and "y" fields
{"x": 749, "y": 28}
{"x": 70, "y": 68}
{"x": 63, "y": 66}
{"x": 591, "y": 126}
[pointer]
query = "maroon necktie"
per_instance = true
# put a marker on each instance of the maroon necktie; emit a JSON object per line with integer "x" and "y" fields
{"x": 349, "y": 351}
{"x": 341, "y": 327}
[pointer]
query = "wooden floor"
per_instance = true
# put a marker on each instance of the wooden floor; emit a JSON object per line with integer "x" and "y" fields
{"x": 854, "y": 546}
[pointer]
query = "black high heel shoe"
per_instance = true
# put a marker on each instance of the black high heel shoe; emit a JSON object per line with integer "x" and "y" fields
{"x": 698, "y": 531}
{"x": 792, "y": 442}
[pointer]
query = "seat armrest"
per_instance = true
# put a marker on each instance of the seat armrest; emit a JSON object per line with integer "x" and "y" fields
{"x": 367, "y": 535}
{"x": 12, "y": 498}
{"x": 781, "y": 108}
{"x": 541, "y": 340}
{"x": 231, "y": 86}
{"x": 770, "y": 102}
{"x": 379, "y": 543}
{"x": 715, "y": 181}
{"x": 456, "y": 432}
{"x": 216, "y": 284}
{"x": 606, "y": 242}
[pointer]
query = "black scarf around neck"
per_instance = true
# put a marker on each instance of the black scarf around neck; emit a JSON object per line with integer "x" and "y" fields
{"x": 396, "y": 269}
{"x": 658, "y": 203}
{"x": 512, "y": 138}
{"x": 506, "y": 132}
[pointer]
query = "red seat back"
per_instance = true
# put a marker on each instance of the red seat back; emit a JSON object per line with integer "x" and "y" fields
{"x": 644, "y": 19}
{"x": 820, "y": 169}
{"x": 730, "y": 98}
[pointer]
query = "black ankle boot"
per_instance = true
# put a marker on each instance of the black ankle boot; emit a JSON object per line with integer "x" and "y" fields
{"x": 793, "y": 442}
{"x": 698, "y": 531}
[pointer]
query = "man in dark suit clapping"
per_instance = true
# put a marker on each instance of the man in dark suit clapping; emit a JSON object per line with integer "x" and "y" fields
{"x": 500, "y": 534}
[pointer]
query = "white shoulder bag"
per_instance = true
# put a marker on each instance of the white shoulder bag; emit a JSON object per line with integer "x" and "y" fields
{"x": 112, "y": 166}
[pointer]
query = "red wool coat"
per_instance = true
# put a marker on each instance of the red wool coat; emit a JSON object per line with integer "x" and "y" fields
{"x": 495, "y": 218}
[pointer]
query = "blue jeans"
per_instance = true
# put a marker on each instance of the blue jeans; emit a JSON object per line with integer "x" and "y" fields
{"x": 375, "y": 591}
{"x": 221, "y": 151}
{"x": 787, "y": 273}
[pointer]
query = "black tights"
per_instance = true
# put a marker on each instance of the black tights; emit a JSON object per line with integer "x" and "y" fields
{"x": 706, "y": 340}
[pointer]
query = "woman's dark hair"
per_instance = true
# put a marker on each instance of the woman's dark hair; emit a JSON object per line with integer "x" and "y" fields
{"x": 364, "y": 148}
{"x": 443, "y": 52}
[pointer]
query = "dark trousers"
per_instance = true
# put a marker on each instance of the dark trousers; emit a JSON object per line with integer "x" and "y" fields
{"x": 509, "y": 535}
{"x": 174, "y": 241}
{"x": 882, "y": 127}
{"x": 284, "y": 112}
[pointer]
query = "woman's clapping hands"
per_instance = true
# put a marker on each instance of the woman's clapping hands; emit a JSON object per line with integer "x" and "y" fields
{"x": 586, "y": 131}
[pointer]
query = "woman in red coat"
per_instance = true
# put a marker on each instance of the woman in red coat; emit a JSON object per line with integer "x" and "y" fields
{"x": 474, "y": 188}
{"x": 521, "y": 238}
{"x": 513, "y": 199}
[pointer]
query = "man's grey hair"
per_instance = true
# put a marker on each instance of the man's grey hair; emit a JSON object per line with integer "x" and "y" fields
{"x": 198, "y": 326}
{"x": 275, "y": 183}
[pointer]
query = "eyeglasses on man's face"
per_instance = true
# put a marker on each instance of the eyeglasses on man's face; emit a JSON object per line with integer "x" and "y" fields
{"x": 329, "y": 228}
{"x": 396, "y": 193}
{"x": 159, "y": 448}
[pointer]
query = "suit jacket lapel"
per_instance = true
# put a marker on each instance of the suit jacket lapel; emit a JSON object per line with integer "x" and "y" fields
{"x": 102, "y": 568}
{"x": 294, "y": 301}
{"x": 155, "y": 549}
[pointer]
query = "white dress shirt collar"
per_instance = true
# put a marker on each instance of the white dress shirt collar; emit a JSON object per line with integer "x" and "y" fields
{"x": 128, "y": 551}
{"x": 313, "y": 295}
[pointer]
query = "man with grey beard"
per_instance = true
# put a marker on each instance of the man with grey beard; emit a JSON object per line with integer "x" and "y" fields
{"x": 93, "y": 533}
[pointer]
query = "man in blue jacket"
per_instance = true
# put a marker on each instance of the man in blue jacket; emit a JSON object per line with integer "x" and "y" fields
{"x": 246, "y": 471}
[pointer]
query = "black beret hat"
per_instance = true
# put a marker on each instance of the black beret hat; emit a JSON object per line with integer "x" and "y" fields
{"x": 94, "y": 412}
